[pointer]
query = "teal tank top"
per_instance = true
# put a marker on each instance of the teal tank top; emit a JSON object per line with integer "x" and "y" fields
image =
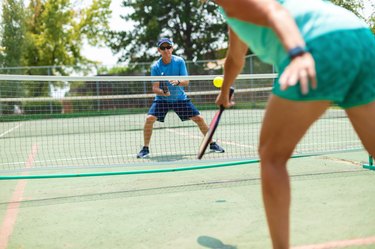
{"x": 313, "y": 17}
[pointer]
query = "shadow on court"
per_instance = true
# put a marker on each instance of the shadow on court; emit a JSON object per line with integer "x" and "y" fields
{"x": 170, "y": 158}
{"x": 213, "y": 243}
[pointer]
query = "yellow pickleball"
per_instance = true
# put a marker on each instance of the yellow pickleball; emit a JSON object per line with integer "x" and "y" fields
{"x": 218, "y": 81}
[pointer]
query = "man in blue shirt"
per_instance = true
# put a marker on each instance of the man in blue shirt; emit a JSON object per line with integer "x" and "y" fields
{"x": 170, "y": 95}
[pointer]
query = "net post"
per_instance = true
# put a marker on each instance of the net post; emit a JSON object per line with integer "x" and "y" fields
{"x": 370, "y": 164}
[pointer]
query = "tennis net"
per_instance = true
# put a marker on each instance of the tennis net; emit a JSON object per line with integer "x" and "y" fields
{"x": 65, "y": 121}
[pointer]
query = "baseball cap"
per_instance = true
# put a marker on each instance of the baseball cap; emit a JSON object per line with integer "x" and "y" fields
{"x": 164, "y": 40}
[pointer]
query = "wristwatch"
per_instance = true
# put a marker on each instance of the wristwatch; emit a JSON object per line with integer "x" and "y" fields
{"x": 296, "y": 51}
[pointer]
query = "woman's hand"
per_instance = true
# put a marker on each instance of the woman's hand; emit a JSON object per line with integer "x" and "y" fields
{"x": 301, "y": 69}
{"x": 223, "y": 100}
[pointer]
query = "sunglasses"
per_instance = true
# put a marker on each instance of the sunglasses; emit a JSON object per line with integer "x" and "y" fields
{"x": 164, "y": 48}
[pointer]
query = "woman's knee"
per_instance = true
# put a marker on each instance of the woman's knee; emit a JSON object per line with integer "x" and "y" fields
{"x": 271, "y": 154}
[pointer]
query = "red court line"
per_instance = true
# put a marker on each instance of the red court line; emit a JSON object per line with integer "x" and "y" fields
{"x": 11, "y": 213}
{"x": 340, "y": 244}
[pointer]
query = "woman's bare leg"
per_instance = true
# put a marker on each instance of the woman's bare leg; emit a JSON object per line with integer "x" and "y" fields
{"x": 363, "y": 121}
{"x": 284, "y": 125}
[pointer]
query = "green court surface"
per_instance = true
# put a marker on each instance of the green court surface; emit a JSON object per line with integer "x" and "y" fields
{"x": 115, "y": 139}
{"x": 332, "y": 200}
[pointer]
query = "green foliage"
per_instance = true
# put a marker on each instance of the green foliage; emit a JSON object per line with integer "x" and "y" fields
{"x": 13, "y": 33}
{"x": 353, "y": 5}
{"x": 197, "y": 30}
{"x": 42, "y": 107}
{"x": 93, "y": 22}
{"x": 56, "y": 31}
{"x": 12, "y": 48}
{"x": 371, "y": 20}
{"x": 356, "y": 6}
{"x": 130, "y": 70}
{"x": 372, "y": 23}
{"x": 49, "y": 33}
{"x": 48, "y": 38}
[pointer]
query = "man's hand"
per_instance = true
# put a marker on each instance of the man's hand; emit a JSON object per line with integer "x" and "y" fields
{"x": 175, "y": 82}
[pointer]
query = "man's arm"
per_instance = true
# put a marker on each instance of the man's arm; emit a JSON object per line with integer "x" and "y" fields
{"x": 183, "y": 72}
{"x": 179, "y": 82}
{"x": 156, "y": 86}
{"x": 157, "y": 90}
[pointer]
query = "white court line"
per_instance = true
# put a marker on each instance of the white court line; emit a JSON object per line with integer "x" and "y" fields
{"x": 85, "y": 158}
{"x": 238, "y": 144}
{"x": 10, "y": 130}
{"x": 186, "y": 134}
{"x": 350, "y": 142}
{"x": 221, "y": 141}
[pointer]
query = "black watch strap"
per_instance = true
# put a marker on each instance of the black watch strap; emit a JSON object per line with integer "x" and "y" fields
{"x": 296, "y": 51}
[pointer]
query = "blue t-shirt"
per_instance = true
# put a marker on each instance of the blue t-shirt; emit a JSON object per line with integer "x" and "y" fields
{"x": 177, "y": 66}
{"x": 313, "y": 17}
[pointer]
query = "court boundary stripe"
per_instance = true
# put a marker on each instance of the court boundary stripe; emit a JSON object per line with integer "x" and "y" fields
{"x": 12, "y": 211}
{"x": 340, "y": 244}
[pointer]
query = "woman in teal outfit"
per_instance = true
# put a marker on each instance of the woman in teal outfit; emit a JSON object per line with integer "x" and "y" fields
{"x": 324, "y": 55}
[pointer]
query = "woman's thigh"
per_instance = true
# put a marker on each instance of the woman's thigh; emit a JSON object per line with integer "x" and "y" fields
{"x": 285, "y": 122}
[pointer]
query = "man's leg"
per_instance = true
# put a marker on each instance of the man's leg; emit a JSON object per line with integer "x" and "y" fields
{"x": 147, "y": 130}
{"x": 199, "y": 120}
{"x": 284, "y": 125}
{"x": 214, "y": 147}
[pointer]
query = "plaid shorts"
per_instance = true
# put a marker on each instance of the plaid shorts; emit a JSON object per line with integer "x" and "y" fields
{"x": 345, "y": 67}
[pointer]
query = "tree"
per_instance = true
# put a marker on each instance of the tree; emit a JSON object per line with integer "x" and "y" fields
{"x": 371, "y": 19}
{"x": 13, "y": 33}
{"x": 56, "y": 30}
{"x": 353, "y": 5}
{"x": 197, "y": 30}
{"x": 356, "y": 6}
{"x": 372, "y": 23}
{"x": 12, "y": 48}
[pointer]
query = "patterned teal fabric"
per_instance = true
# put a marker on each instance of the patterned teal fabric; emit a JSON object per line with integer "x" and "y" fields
{"x": 345, "y": 64}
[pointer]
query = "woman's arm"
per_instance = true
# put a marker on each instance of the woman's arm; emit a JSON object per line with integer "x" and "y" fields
{"x": 233, "y": 65}
{"x": 267, "y": 13}
{"x": 271, "y": 14}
